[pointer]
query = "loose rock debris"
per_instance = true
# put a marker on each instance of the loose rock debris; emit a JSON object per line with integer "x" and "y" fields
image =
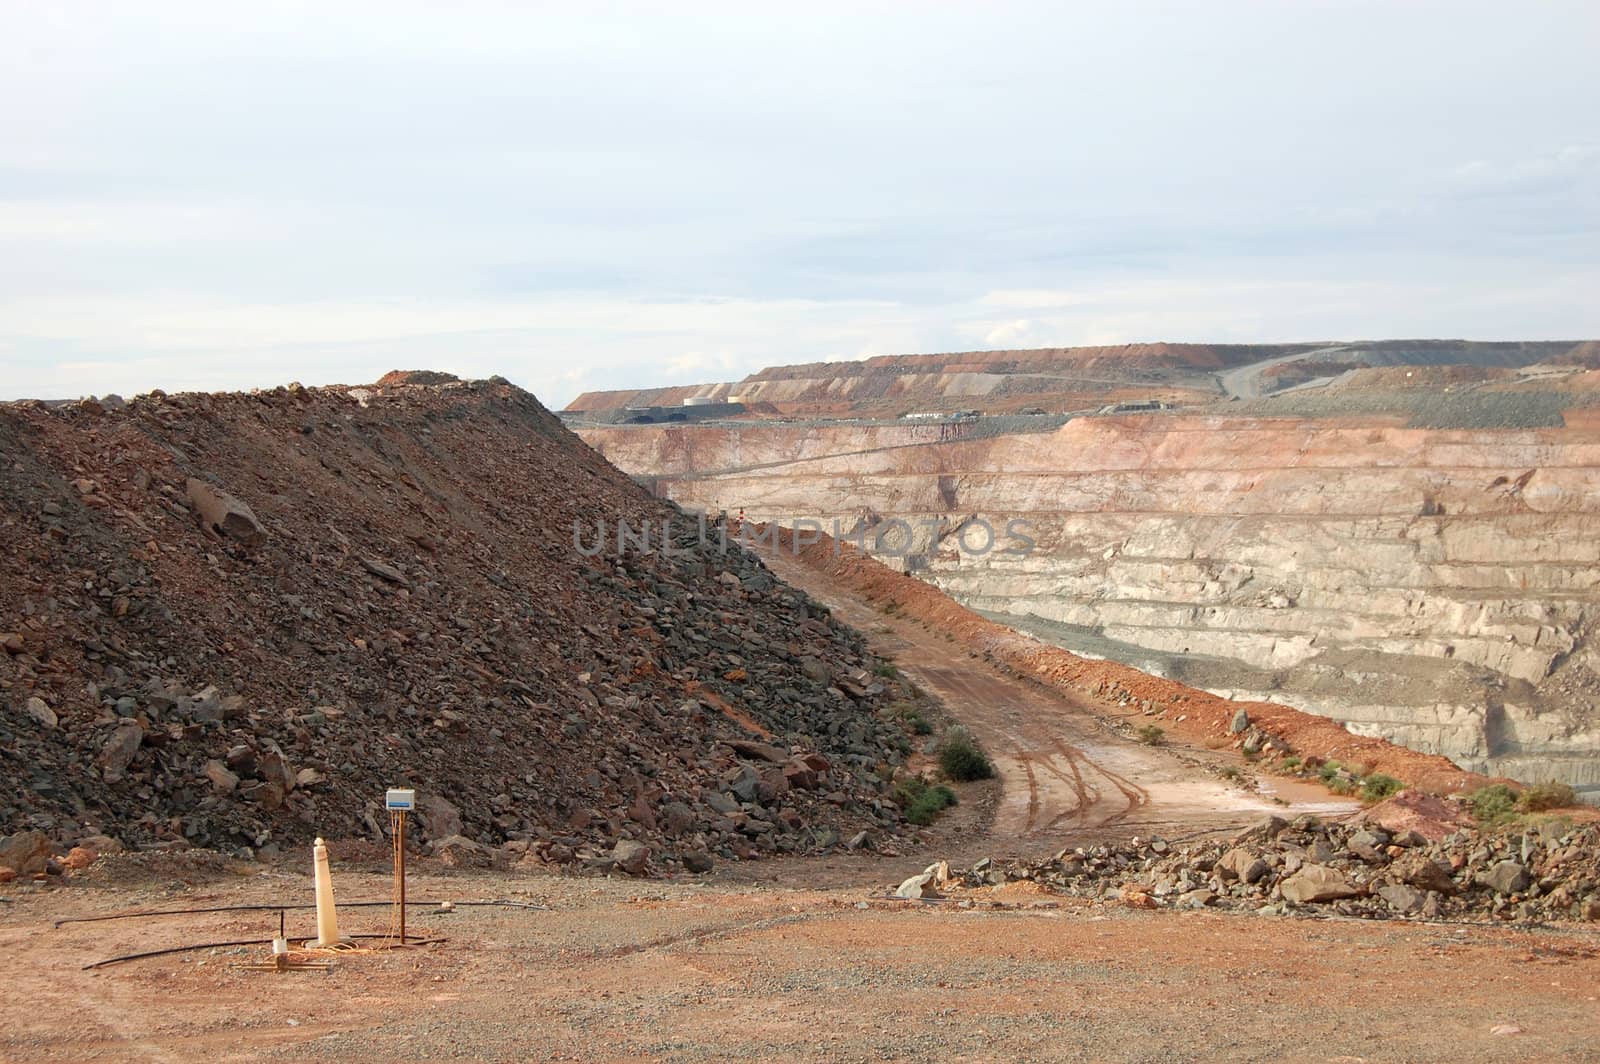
{"x": 231, "y": 621}
{"x": 1307, "y": 866}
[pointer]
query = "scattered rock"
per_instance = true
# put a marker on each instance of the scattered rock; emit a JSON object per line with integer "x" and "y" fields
{"x": 408, "y": 622}
{"x": 224, "y": 514}
{"x": 1239, "y": 863}
{"x": 1361, "y": 871}
{"x": 223, "y": 781}
{"x": 440, "y": 818}
{"x": 1506, "y": 877}
{"x": 385, "y": 571}
{"x": 1402, "y": 897}
{"x": 118, "y": 752}
{"x": 101, "y": 844}
{"x": 26, "y": 852}
{"x": 1318, "y": 883}
{"x": 630, "y": 856}
{"x": 79, "y": 858}
{"x": 456, "y": 851}
{"x": 759, "y": 751}
{"x": 41, "y": 713}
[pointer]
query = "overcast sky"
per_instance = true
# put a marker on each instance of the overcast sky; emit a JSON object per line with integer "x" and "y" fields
{"x": 194, "y": 197}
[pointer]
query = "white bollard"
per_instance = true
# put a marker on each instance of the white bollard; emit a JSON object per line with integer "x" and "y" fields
{"x": 327, "y": 915}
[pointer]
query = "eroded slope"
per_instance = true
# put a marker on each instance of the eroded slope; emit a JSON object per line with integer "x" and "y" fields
{"x": 235, "y": 619}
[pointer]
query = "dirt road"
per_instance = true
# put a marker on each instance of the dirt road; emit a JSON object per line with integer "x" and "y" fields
{"x": 1067, "y": 777}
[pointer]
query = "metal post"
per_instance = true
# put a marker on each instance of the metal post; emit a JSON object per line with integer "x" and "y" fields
{"x": 400, "y": 871}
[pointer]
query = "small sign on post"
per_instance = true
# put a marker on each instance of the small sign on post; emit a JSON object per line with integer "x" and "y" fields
{"x": 399, "y": 802}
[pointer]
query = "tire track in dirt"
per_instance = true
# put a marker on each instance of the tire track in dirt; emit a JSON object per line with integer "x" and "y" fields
{"x": 1067, "y": 776}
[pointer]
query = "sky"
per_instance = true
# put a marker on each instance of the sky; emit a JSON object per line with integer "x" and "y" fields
{"x": 215, "y": 196}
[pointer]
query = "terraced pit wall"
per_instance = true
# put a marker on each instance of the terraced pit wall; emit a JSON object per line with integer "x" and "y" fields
{"x": 1436, "y": 587}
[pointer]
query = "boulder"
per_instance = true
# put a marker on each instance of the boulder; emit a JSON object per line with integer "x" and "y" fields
{"x": 102, "y": 844}
{"x": 1240, "y": 721}
{"x": 697, "y": 861}
{"x": 223, "y": 780}
{"x": 918, "y": 886}
{"x": 440, "y": 818}
{"x": 630, "y": 856}
{"x": 457, "y": 851}
{"x": 745, "y": 786}
{"x": 759, "y": 751}
{"x": 224, "y": 514}
{"x": 1240, "y": 863}
{"x": 1420, "y": 871}
{"x": 26, "y": 852}
{"x": 1403, "y": 897}
{"x": 268, "y": 796}
{"x": 272, "y": 765}
{"x": 117, "y": 754}
{"x": 1318, "y": 883}
{"x": 799, "y": 775}
{"x": 1506, "y": 877}
{"x": 79, "y": 858}
{"x": 677, "y": 818}
{"x": 814, "y": 670}
{"x": 42, "y": 714}
{"x": 385, "y": 571}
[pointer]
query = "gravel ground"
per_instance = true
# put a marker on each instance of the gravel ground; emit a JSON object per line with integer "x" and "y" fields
{"x": 623, "y": 970}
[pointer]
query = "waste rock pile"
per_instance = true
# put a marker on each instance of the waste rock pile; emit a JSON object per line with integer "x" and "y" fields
{"x": 232, "y": 620}
{"x": 1308, "y": 866}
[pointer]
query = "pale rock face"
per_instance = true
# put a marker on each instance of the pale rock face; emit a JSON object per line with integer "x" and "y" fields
{"x": 1434, "y": 587}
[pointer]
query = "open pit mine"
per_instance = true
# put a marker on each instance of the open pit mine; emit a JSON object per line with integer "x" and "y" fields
{"x": 1400, "y": 535}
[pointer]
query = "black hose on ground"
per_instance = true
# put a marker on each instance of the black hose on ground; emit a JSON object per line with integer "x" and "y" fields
{"x": 274, "y": 908}
{"x": 219, "y": 945}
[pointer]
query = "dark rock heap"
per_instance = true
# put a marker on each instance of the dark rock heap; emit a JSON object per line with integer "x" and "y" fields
{"x": 233, "y": 620}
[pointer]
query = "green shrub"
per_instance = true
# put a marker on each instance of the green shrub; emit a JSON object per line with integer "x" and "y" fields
{"x": 961, "y": 759}
{"x": 1291, "y": 762}
{"x": 1377, "y": 787}
{"x": 1493, "y": 804}
{"x": 1151, "y": 735}
{"x": 1328, "y": 771}
{"x": 887, "y": 670}
{"x": 922, "y": 802}
{"x": 1550, "y": 795}
{"x": 910, "y": 716}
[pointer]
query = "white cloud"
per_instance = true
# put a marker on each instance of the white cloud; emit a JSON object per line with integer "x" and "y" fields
{"x": 616, "y": 199}
{"x": 1011, "y": 334}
